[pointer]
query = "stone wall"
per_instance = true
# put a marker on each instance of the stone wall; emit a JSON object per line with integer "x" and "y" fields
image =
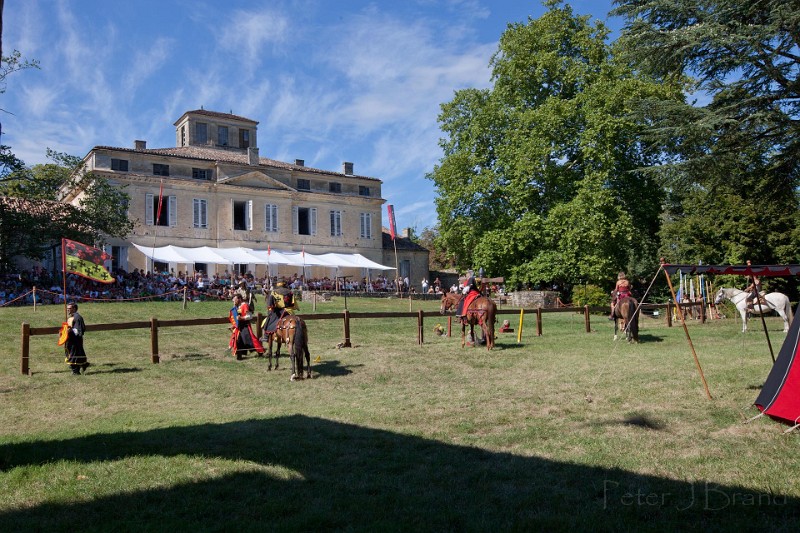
{"x": 534, "y": 299}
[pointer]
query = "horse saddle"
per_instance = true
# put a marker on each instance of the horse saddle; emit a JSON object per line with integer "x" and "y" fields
{"x": 761, "y": 300}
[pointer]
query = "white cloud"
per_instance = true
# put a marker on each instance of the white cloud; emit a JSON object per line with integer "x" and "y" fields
{"x": 145, "y": 64}
{"x": 251, "y": 32}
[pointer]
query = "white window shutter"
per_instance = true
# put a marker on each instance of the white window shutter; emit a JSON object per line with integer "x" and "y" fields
{"x": 148, "y": 209}
{"x": 173, "y": 211}
{"x": 275, "y": 218}
{"x": 196, "y": 213}
{"x": 249, "y": 215}
{"x": 295, "y": 224}
{"x": 313, "y": 211}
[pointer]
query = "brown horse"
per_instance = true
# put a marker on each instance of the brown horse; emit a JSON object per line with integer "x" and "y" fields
{"x": 625, "y": 310}
{"x": 292, "y": 332}
{"x": 481, "y": 310}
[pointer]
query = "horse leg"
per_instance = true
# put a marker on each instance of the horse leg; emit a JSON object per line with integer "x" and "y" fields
{"x": 616, "y": 328}
{"x": 269, "y": 349}
{"x": 743, "y": 312}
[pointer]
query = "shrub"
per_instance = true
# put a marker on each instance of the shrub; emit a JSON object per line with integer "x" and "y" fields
{"x": 589, "y": 295}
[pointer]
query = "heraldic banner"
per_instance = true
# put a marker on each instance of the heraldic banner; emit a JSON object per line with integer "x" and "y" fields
{"x": 86, "y": 261}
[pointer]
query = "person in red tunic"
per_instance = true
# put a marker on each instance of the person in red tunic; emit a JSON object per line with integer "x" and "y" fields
{"x": 243, "y": 340}
{"x": 621, "y": 290}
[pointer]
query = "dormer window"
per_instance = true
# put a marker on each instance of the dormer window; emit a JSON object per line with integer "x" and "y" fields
{"x": 201, "y": 133}
{"x": 119, "y": 164}
{"x": 303, "y": 184}
{"x": 363, "y": 191}
{"x": 222, "y": 135}
{"x": 335, "y": 187}
{"x": 201, "y": 173}
{"x": 244, "y": 138}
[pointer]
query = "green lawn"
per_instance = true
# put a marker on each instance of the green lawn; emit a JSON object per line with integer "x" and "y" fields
{"x": 566, "y": 431}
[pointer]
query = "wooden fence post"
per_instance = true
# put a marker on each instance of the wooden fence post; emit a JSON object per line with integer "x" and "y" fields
{"x": 586, "y": 319}
{"x": 669, "y": 313}
{"x": 346, "y": 330}
{"x": 154, "y": 358}
{"x": 702, "y": 312}
{"x": 259, "y": 319}
{"x": 24, "y": 360}
{"x": 449, "y": 326}
{"x": 420, "y": 328}
{"x": 539, "y": 321}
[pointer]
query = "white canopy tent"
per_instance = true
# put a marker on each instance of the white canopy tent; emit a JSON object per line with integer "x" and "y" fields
{"x": 227, "y": 256}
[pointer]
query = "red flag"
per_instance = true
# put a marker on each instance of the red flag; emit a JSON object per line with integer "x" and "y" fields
{"x": 269, "y": 250}
{"x": 86, "y": 261}
{"x": 160, "y": 201}
{"x": 392, "y": 224}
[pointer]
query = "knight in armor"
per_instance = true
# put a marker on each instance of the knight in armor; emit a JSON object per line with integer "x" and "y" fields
{"x": 279, "y": 301}
{"x": 469, "y": 287}
{"x": 621, "y": 290}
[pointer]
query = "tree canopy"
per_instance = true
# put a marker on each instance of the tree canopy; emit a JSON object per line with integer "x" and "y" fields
{"x": 539, "y": 180}
{"x": 32, "y": 218}
{"x": 732, "y": 162}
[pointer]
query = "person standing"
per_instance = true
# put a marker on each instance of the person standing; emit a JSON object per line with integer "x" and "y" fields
{"x": 243, "y": 340}
{"x": 424, "y": 285}
{"x": 73, "y": 347}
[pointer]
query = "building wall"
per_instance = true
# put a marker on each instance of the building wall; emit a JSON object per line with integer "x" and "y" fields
{"x": 240, "y": 176}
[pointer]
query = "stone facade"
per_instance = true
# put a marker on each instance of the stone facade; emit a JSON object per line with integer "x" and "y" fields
{"x": 218, "y": 191}
{"x": 534, "y": 299}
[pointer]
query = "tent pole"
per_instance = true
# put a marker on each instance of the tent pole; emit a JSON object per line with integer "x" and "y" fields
{"x": 761, "y": 314}
{"x": 686, "y": 330}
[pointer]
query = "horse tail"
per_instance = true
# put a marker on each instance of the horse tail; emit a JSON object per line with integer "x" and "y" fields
{"x": 298, "y": 335}
{"x": 633, "y": 321}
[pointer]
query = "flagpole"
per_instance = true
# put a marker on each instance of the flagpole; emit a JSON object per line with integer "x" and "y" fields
{"x": 64, "y": 272}
{"x": 155, "y": 225}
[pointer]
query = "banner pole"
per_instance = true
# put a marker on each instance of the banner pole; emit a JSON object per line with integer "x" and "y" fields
{"x": 64, "y": 272}
{"x": 679, "y": 311}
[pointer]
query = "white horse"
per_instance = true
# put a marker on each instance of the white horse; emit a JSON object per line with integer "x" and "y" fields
{"x": 776, "y": 301}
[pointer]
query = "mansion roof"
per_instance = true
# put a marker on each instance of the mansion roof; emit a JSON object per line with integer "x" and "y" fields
{"x": 222, "y": 155}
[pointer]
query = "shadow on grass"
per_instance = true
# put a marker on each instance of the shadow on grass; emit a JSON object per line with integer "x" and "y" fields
{"x": 637, "y": 420}
{"x": 351, "y": 477}
{"x": 332, "y": 368}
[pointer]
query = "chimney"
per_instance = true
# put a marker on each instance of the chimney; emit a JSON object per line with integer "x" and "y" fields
{"x": 299, "y": 162}
{"x": 140, "y": 145}
{"x": 252, "y": 156}
{"x": 406, "y": 233}
{"x": 347, "y": 168}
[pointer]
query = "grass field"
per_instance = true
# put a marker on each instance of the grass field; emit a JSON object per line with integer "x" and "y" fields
{"x": 561, "y": 432}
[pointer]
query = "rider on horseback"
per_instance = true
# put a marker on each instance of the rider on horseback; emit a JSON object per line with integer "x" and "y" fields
{"x": 753, "y": 290}
{"x": 469, "y": 288}
{"x": 621, "y": 290}
{"x": 279, "y": 301}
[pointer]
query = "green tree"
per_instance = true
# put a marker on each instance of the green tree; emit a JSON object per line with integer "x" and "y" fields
{"x": 438, "y": 258}
{"x": 31, "y": 199}
{"x": 538, "y": 181}
{"x": 734, "y": 163}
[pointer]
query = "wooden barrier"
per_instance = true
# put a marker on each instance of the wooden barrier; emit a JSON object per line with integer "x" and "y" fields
{"x": 154, "y": 325}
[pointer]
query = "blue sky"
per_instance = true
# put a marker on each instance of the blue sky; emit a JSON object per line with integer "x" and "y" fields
{"x": 327, "y": 80}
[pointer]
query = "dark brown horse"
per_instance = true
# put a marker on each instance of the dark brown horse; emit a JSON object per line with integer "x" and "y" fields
{"x": 292, "y": 332}
{"x": 626, "y": 311}
{"x": 481, "y": 311}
